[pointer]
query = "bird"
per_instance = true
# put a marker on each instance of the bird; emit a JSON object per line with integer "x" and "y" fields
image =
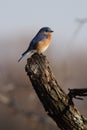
{"x": 39, "y": 43}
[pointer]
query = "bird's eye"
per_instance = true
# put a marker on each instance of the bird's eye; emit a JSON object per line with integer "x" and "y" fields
{"x": 46, "y": 31}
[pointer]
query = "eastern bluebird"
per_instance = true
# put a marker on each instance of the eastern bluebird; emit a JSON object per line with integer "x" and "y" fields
{"x": 40, "y": 42}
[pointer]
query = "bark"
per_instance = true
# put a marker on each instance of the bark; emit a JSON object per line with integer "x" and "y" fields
{"x": 56, "y": 103}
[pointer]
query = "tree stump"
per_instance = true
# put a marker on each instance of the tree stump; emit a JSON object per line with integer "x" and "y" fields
{"x": 56, "y": 103}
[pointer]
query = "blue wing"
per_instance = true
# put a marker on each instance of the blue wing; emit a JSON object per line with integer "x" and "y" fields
{"x": 33, "y": 44}
{"x": 36, "y": 39}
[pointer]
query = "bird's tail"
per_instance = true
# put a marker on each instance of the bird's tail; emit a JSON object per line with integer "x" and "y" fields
{"x": 23, "y": 55}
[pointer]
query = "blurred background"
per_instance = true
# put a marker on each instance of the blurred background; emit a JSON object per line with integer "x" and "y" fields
{"x": 20, "y": 20}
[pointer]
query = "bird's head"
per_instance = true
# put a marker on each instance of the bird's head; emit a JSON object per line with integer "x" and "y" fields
{"x": 45, "y": 30}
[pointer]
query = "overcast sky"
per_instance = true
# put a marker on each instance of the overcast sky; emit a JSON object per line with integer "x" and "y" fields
{"x": 60, "y": 15}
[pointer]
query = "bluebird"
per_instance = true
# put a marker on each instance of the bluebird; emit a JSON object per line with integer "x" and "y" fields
{"x": 40, "y": 42}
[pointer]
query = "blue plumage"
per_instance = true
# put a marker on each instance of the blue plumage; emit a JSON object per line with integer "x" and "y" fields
{"x": 41, "y": 36}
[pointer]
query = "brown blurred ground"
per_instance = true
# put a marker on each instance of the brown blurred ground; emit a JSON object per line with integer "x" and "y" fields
{"x": 69, "y": 66}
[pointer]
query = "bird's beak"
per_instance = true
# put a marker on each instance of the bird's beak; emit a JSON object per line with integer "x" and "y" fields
{"x": 51, "y": 31}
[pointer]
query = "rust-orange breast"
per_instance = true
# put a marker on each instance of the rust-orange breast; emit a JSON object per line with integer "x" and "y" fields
{"x": 43, "y": 45}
